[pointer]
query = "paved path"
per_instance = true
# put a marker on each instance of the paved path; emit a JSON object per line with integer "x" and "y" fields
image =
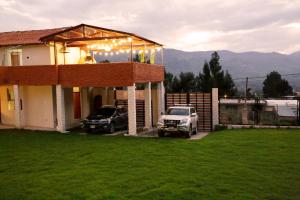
{"x": 198, "y": 136}
{"x": 2, "y": 126}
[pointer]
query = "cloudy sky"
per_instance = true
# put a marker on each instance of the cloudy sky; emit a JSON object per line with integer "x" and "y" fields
{"x": 237, "y": 25}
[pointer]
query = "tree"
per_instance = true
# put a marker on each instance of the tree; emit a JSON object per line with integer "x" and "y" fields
{"x": 176, "y": 85}
{"x": 136, "y": 58}
{"x": 204, "y": 79}
{"x": 212, "y": 76}
{"x": 168, "y": 81}
{"x": 275, "y": 86}
{"x": 187, "y": 81}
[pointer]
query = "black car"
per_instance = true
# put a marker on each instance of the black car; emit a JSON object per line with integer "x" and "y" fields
{"x": 107, "y": 119}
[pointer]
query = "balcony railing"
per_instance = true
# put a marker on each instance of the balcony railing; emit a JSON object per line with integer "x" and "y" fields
{"x": 84, "y": 75}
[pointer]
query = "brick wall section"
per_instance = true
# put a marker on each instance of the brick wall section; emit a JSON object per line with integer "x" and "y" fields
{"x": 96, "y": 75}
{"x": 28, "y": 75}
{"x": 148, "y": 73}
{"x": 84, "y": 75}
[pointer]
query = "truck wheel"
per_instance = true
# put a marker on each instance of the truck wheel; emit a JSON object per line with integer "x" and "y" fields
{"x": 161, "y": 133}
{"x": 196, "y": 129}
{"x": 189, "y": 133}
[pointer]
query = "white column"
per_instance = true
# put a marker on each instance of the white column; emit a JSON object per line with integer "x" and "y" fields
{"x": 148, "y": 109}
{"x": 215, "y": 106}
{"x": 85, "y": 103}
{"x": 131, "y": 110}
{"x": 161, "y": 97}
{"x": 17, "y": 106}
{"x": 60, "y": 109}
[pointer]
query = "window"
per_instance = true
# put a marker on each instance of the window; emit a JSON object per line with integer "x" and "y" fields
{"x": 15, "y": 58}
{"x": 193, "y": 110}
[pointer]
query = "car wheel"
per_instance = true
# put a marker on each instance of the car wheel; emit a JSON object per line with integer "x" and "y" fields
{"x": 189, "y": 133}
{"x": 112, "y": 128}
{"x": 161, "y": 133}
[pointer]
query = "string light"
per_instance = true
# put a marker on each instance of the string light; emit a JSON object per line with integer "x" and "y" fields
{"x": 128, "y": 50}
{"x": 133, "y": 51}
{"x": 129, "y": 39}
{"x": 106, "y": 54}
{"x": 111, "y": 53}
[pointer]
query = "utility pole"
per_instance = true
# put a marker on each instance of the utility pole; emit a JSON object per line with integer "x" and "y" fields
{"x": 245, "y": 109}
{"x": 246, "y": 91}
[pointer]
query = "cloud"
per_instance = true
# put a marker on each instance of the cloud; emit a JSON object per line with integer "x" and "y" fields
{"x": 238, "y": 25}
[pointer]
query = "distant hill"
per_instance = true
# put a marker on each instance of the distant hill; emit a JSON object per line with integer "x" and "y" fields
{"x": 245, "y": 64}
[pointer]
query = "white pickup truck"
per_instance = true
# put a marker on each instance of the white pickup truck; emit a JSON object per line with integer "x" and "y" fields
{"x": 182, "y": 119}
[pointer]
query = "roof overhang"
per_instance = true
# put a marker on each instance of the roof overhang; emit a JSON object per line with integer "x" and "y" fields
{"x": 85, "y": 35}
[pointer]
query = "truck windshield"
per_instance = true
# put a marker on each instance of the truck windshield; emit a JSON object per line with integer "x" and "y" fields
{"x": 177, "y": 111}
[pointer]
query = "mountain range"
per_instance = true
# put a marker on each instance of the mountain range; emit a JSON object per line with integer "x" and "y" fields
{"x": 239, "y": 65}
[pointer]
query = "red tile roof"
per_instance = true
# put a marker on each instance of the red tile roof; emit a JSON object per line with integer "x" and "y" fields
{"x": 26, "y": 37}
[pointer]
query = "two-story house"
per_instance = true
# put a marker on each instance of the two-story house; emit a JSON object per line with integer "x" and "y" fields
{"x": 49, "y": 79}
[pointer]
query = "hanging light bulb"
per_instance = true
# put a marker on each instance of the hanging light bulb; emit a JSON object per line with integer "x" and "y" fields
{"x": 128, "y": 50}
{"x": 117, "y": 53}
{"x": 111, "y": 53}
{"x": 107, "y": 48}
{"x": 100, "y": 53}
{"x": 158, "y": 48}
{"x": 106, "y": 54}
{"x": 133, "y": 51}
{"x": 129, "y": 39}
{"x": 146, "y": 51}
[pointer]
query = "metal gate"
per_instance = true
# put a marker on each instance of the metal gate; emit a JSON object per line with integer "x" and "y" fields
{"x": 201, "y": 101}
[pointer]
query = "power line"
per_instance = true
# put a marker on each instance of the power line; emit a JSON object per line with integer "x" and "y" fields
{"x": 259, "y": 77}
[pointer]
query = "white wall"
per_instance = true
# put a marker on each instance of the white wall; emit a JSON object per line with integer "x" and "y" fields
{"x": 73, "y": 57}
{"x": 7, "y": 115}
{"x": 37, "y": 106}
{"x": 36, "y": 55}
{"x": 69, "y": 109}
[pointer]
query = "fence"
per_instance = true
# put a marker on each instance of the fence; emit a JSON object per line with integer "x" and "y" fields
{"x": 140, "y": 111}
{"x": 201, "y": 101}
{"x": 255, "y": 111}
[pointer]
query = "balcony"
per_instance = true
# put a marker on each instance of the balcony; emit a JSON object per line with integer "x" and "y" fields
{"x": 83, "y": 75}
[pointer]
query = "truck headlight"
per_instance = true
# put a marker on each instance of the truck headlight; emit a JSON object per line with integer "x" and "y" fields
{"x": 183, "y": 121}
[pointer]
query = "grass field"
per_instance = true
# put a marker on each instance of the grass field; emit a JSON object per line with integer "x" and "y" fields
{"x": 233, "y": 164}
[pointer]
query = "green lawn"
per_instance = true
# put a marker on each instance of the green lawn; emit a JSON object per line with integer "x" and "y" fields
{"x": 233, "y": 164}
